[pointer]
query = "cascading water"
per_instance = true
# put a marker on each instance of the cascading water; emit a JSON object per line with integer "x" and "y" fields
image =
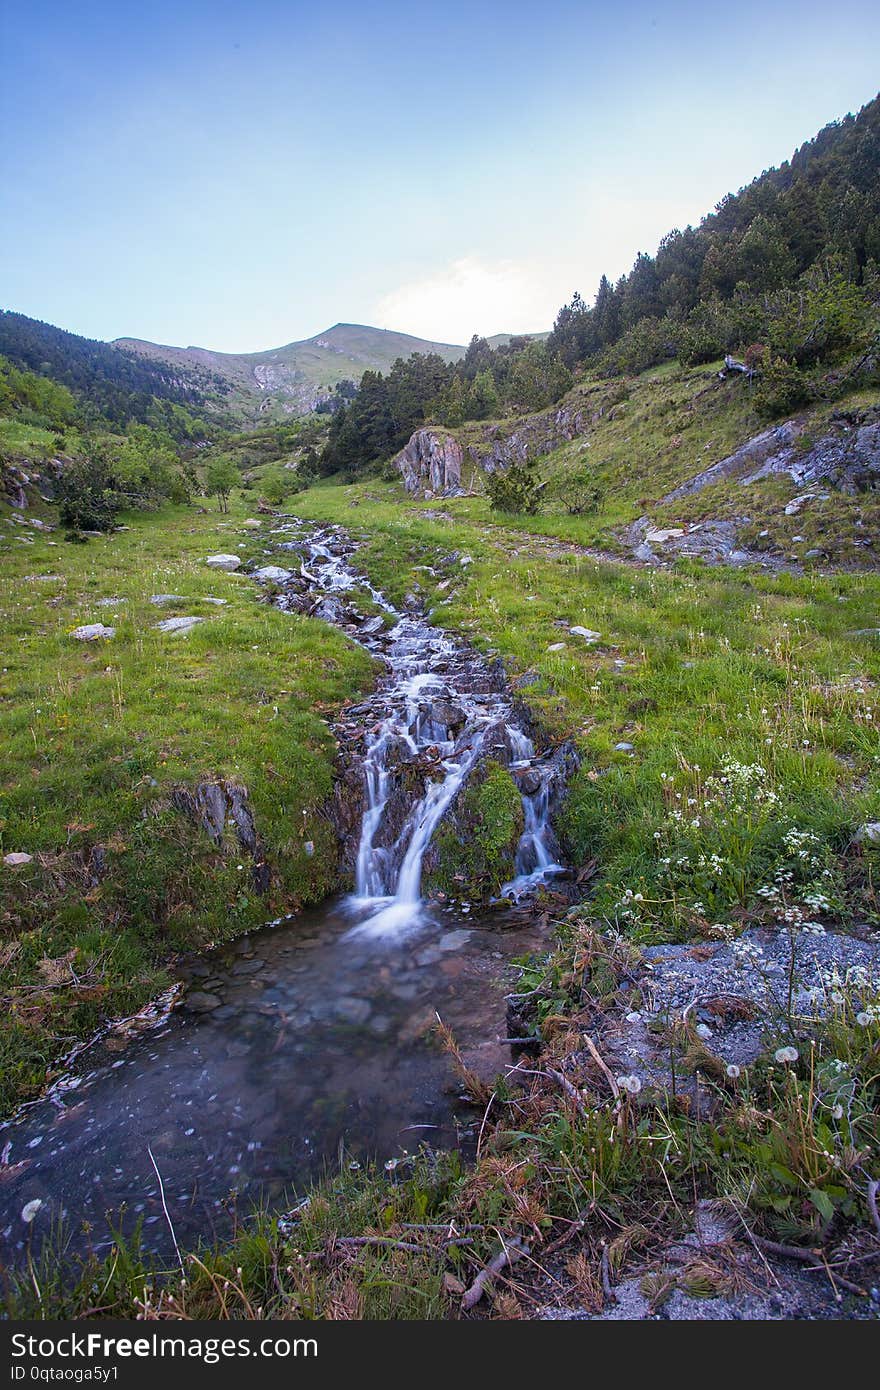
{"x": 438, "y": 704}
{"x": 299, "y": 1040}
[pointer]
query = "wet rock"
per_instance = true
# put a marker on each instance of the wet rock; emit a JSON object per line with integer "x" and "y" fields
{"x": 248, "y": 966}
{"x": 201, "y": 1002}
{"x": 351, "y": 1010}
{"x": 329, "y": 610}
{"x": 453, "y": 940}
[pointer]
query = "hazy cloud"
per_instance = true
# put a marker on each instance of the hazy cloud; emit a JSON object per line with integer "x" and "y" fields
{"x": 471, "y": 295}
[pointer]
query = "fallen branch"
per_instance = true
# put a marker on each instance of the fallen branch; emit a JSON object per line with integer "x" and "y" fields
{"x": 607, "y": 1286}
{"x": 569, "y": 1090}
{"x": 808, "y": 1258}
{"x": 594, "y": 1053}
{"x": 873, "y": 1185}
{"x": 389, "y": 1243}
{"x": 506, "y": 1257}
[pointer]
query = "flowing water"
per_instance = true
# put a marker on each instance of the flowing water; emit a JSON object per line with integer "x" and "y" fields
{"x": 311, "y": 1041}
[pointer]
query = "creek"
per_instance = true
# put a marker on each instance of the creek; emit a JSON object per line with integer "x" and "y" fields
{"x": 311, "y": 1042}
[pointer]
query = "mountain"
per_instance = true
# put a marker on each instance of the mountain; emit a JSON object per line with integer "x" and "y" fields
{"x": 292, "y": 379}
{"x": 120, "y": 385}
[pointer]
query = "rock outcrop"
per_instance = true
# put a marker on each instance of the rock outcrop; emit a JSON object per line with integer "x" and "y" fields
{"x": 847, "y": 457}
{"x": 431, "y": 462}
{"x": 215, "y": 805}
{"x": 502, "y": 445}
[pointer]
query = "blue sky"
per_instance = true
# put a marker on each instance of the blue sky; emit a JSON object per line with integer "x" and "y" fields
{"x": 238, "y": 176}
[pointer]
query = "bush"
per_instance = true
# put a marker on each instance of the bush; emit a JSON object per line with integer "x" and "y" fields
{"x": 783, "y": 388}
{"x": 87, "y": 497}
{"x": 517, "y": 491}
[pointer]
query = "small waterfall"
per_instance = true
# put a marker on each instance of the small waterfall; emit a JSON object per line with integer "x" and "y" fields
{"x": 439, "y": 712}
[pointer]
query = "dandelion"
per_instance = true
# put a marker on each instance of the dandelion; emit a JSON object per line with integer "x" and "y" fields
{"x": 732, "y": 1071}
{"x": 631, "y": 1084}
{"x": 837, "y": 1112}
{"x": 864, "y": 1019}
{"x": 786, "y": 1054}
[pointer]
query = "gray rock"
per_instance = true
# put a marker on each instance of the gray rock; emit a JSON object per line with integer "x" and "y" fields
{"x": 93, "y": 632}
{"x": 162, "y": 600}
{"x": 869, "y": 833}
{"x": 218, "y": 602}
{"x": 223, "y": 562}
{"x": 624, "y": 748}
{"x": 200, "y": 1002}
{"x": 273, "y": 574}
{"x": 177, "y": 624}
{"x": 351, "y": 1010}
{"x": 586, "y": 633}
{"x": 17, "y": 859}
{"x": 431, "y": 462}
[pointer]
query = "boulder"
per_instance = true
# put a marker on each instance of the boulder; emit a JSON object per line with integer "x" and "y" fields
{"x": 273, "y": 574}
{"x": 223, "y": 562}
{"x": 431, "y": 462}
{"x": 177, "y": 624}
{"x": 868, "y": 834}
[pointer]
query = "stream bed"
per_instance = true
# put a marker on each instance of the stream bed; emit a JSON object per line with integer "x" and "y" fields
{"x": 310, "y": 1043}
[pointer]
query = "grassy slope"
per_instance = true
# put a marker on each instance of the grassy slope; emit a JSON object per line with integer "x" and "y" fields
{"x": 650, "y": 434}
{"x": 96, "y": 736}
{"x": 714, "y": 663}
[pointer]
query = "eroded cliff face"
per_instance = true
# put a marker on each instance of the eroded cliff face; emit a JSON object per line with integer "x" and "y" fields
{"x": 431, "y": 462}
{"x": 846, "y": 456}
{"x": 433, "y": 459}
{"x": 503, "y": 444}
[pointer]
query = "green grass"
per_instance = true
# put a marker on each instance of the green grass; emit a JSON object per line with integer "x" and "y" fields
{"x": 695, "y": 667}
{"x": 96, "y": 737}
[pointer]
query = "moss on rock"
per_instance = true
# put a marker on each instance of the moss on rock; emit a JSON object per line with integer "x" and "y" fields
{"x": 475, "y": 848}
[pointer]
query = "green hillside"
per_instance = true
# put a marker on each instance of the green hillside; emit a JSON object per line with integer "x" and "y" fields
{"x": 291, "y": 379}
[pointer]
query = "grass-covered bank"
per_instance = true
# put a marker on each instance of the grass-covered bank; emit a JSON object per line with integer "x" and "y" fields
{"x": 700, "y": 674}
{"x": 98, "y": 735}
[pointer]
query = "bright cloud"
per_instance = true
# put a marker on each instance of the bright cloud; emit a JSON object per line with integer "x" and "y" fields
{"x": 468, "y": 296}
